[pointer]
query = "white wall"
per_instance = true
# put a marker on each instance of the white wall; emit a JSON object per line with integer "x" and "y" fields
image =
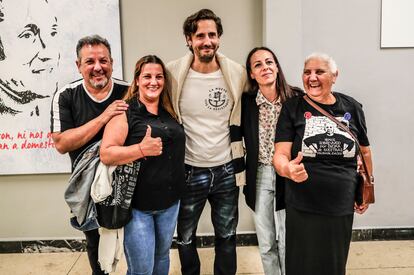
{"x": 381, "y": 79}
{"x": 156, "y": 28}
{"x": 32, "y": 206}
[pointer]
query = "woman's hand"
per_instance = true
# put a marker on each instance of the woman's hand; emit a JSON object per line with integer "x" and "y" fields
{"x": 296, "y": 170}
{"x": 285, "y": 167}
{"x": 359, "y": 163}
{"x": 150, "y": 146}
{"x": 360, "y": 209}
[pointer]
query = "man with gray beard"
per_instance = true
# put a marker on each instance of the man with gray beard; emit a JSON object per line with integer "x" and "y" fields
{"x": 81, "y": 110}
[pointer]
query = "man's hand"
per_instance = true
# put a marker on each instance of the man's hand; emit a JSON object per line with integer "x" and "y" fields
{"x": 296, "y": 170}
{"x": 150, "y": 146}
{"x": 75, "y": 138}
{"x": 115, "y": 108}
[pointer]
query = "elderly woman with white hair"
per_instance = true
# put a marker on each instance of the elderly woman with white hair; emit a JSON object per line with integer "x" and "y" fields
{"x": 320, "y": 163}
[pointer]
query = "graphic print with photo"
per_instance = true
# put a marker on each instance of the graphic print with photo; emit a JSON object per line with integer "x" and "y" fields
{"x": 322, "y": 138}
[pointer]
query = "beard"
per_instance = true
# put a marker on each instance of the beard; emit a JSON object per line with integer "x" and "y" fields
{"x": 207, "y": 58}
{"x": 99, "y": 84}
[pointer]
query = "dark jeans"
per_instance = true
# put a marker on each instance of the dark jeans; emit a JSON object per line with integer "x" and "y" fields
{"x": 92, "y": 242}
{"x": 218, "y": 186}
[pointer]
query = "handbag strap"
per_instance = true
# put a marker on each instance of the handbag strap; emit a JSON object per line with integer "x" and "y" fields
{"x": 340, "y": 125}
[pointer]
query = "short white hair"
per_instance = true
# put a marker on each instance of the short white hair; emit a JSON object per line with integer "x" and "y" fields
{"x": 325, "y": 58}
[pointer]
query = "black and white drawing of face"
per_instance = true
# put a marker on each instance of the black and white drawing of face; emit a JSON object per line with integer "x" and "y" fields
{"x": 29, "y": 55}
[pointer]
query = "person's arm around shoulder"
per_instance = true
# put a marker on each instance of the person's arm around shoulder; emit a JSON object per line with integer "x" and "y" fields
{"x": 285, "y": 167}
{"x": 72, "y": 139}
{"x": 113, "y": 151}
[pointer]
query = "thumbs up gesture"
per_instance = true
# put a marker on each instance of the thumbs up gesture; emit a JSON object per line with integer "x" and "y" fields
{"x": 151, "y": 146}
{"x": 296, "y": 169}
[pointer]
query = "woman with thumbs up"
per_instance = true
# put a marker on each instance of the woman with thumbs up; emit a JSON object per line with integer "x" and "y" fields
{"x": 319, "y": 161}
{"x": 149, "y": 132}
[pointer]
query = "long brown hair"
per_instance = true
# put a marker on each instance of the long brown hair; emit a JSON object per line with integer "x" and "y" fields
{"x": 285, "y": 91}
{"x": 133, "y": 90}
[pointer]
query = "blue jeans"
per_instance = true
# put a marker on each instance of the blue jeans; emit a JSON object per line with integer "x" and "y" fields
{"x": 218, "y": 186}
{"x": 147, "y": 240}
{"x": 270, "y": 225}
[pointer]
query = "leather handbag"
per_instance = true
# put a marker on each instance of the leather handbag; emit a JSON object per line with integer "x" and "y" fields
{"x": 365, "y": 186}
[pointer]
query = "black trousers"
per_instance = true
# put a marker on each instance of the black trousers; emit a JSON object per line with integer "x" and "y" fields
{"x": 92, "y": 243}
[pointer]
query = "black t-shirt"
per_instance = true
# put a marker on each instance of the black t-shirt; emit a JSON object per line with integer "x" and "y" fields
{"x": 329, "y": 153}
{"x": 161, "y": 179}
{"x": 73, "y": 106}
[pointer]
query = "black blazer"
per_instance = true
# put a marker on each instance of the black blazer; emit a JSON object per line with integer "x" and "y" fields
{"x": 250, "y": 131}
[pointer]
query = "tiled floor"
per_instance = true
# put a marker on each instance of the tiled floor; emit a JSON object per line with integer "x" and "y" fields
{"x": 366, "y": 258}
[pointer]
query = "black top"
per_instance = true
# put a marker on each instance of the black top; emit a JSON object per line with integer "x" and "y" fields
{"x": 161, "y": 179}
{"x": 329, "y": 153}
{"x": 72, "y": 107}
{"x": 250, "y": 131}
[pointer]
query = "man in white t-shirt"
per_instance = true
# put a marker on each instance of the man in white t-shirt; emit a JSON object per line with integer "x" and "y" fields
{"x": 206, "y": 92}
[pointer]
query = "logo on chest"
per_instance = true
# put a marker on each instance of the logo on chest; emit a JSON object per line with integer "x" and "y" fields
{"x": 218, "y": 99}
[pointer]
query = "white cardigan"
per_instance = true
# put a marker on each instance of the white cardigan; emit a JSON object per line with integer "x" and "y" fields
{"x": 235, "y": 77}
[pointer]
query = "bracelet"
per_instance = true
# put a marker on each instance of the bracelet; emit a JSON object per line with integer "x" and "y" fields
{"x": 142, "y": 153}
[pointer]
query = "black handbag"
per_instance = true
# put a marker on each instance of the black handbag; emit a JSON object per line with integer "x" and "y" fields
{"x": 115, "y": 211}
{"x": 365, "y": 186}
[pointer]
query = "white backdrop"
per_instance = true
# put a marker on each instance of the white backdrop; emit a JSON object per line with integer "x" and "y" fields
{"x": 37, "y": 56}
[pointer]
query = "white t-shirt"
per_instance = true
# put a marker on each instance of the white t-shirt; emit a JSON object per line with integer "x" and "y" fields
{"x": 205, "y": 106}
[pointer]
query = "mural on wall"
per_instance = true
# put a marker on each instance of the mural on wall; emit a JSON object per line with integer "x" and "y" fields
{"x": 37, "y": 57}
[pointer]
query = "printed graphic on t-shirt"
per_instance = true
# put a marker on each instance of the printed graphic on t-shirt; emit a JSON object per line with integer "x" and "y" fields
{"x": 323, "y": 138}
{"x": 218, "y": 99}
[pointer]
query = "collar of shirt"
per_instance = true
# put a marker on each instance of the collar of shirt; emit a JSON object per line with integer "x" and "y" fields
{"x": 261, "y": 99}
{"x": 142, "y": 109}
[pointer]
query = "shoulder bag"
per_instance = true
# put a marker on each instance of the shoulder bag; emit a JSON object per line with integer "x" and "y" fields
{"x": 115, "y": 211}
{"x": 365, "y": 186}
